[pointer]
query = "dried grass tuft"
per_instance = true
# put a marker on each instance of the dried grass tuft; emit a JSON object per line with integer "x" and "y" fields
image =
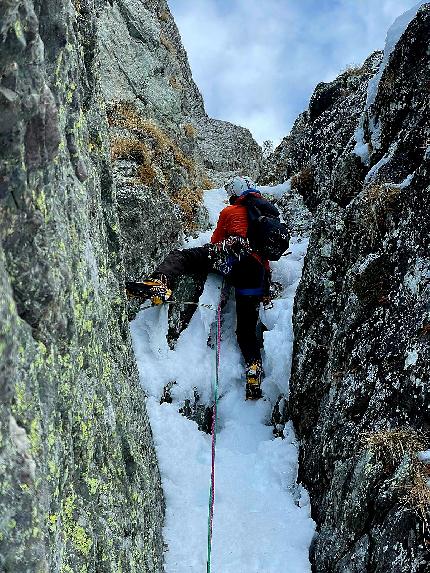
{"x": 167, "y": 44}
{"x": 382, "y": 195}
{"x": 206, "y": 183}
{"x": 353, "y": 70}
{"x": 175, "y": 83}
{"x": 394, "y": 444}
{"x": 389, "y": 447}
{"x": 146, "y": 174}
{"x": 304, "y": 180}
{"x": 417, "y": 494}
{"x": 188, "y": 199}
{"x": 125, "y": 115}
{"x": 379, "y": 200}
{"x": 164, "y": 16}
{"x": 190, "y": 130}
{"x": 128, "y": 148}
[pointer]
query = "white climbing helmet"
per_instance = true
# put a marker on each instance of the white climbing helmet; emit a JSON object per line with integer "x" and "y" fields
{"x": 238, "y": 185}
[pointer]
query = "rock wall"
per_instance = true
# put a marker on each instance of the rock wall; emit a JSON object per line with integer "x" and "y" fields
{"x": 105, "y": 147}
{"x": 360, "y": 400}
{"x": 163, "y": 142}
{"x": 79, "y": 483}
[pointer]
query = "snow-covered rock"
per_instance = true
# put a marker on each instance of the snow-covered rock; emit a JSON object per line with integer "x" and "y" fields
{"x": 361, "y": 361}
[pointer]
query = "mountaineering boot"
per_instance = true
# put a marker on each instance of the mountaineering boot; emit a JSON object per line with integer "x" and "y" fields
{"x": 254, "y": 375}
{"x": 156, "y": 289}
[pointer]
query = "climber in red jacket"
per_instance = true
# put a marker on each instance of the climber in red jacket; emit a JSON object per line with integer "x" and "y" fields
{"x": 231, "y": 255}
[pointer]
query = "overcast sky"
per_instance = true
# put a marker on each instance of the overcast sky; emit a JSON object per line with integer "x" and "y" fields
{"x": 257, "y": 61}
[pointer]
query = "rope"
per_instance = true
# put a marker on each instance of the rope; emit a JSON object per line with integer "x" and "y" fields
{"x": 214, "y": 428}
{"x": 209, "y": 306}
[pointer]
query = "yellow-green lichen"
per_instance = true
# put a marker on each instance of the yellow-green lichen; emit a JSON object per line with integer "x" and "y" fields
{"x": 40, "y": 202}
{"x": 17, "y": 27}
{"x": 20, "y": 398}
{"x": 81, "y": 540}
{"x": 70, "y": 92}
{"x": 93, "y": 485}
{"x": 52, "y": 436}
{"x": 54, "y": 470}
{"x": 87, "y": 325}
{"x": 52, "y": 522}
{"x": 86, "y": 426}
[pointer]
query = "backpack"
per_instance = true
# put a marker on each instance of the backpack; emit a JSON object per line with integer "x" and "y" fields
{"x": 267, "y": 235}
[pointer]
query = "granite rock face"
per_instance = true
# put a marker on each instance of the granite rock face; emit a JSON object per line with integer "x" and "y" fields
{"x": 163, "y": 142}
{"x": 79, "y": 482}
{"x": 360, "y": 380}
{"x": 105, "y": 148}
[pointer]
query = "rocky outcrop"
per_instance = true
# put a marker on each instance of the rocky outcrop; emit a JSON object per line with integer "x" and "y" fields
{"x": 79, "y": 484}
{"x": 104, "y": 149}
{"x": 163, "y": 142}
{"x": 360, "y": 158}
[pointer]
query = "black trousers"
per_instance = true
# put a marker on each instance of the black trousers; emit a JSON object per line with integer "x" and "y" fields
{"x": 248, "y": 273}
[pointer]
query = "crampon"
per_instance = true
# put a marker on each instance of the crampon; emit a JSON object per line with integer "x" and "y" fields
{"x": 254, "y": 375}
{"x": 154, "y": 289}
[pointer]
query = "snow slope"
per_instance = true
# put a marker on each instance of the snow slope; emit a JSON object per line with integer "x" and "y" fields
{"x": 262, "y": 518}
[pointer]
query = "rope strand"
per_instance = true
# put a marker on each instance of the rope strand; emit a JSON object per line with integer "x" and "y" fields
{"x": 214, "y": 429}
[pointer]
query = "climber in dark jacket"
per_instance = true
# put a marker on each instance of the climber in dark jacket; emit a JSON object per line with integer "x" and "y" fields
{"x": 230, "y": 254}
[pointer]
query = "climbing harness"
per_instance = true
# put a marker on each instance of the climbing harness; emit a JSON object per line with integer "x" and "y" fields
{"x": 214, "y": 430}
{"x": 223, "y": 256}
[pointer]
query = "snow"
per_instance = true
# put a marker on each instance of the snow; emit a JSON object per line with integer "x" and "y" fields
{"x": 394, "y": 34}
{"x": 424, "y": 457}
{"x": 405, "y": 183}
{"x": 276, "y": 190}
{"x": 361, "y": 148}
{"x": 262, "y": 518}
{"x": 374, "y": 170}
{"x": 411, "y": 358}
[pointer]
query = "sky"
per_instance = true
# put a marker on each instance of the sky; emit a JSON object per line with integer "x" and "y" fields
{"x": 257, "y": 62}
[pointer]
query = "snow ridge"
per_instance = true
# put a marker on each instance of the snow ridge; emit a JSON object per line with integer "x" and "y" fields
{"x": 262, "y": 518}
{"x": 395, "y": 32}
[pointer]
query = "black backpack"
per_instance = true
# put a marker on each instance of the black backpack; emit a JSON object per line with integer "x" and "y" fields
{"x": 267, "y": 235}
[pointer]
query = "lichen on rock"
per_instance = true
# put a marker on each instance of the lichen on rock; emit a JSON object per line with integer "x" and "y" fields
{"x": 80, "y": 488}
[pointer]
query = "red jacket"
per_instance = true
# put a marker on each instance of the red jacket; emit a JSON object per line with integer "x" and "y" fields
{"x": 233, "y": 220}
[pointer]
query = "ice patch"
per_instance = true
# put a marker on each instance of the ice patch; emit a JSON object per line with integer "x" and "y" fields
{"x": 374, "y": 170}
{"x": 405, "y": 183}
{"x": 361, "y": 148}
{"x": 277, "y": 191}
{"x": 394, "y": 34}
{"x": 424, "y": 457}
{"x": 411, "y": 358}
